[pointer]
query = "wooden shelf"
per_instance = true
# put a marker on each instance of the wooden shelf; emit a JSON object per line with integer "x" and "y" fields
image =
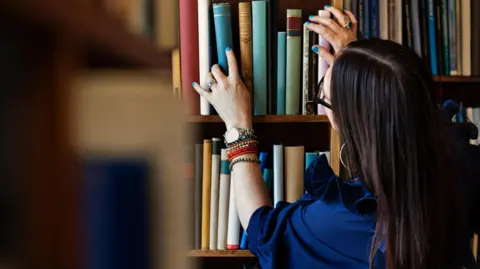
{"x": 105, "y": 39}
{"x": 456, "y": 79}
{"x": 220, "y": 253}
{"x": 265, "y": 119}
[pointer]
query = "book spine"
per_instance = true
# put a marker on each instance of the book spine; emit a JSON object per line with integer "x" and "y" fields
{"x": 189, "y": 169}
{"x": 458, "y": 30}
{"x": 383, "y": 15}
{"x": 424, "y": 32}
{"x": 176, "y": 78}
{"x": 214, "y": 190}
{"x": 354, "y": 8}
{"x": 206, "y": 192}
{"x": 309, "y": 158}
{"x": 347, "y": 4}
{"x": 223, "y": 201}
{"x": 305, "y": 73}
{"x": 204, "y": 51}
{"x": 259, "y": 24}
{"x": 452, "y": 31}
{"x": 440, "y": 47}
{"x": 374, "y": 19}
{"x": 466, "y": 38}
{"x": 367, "y": 18}
{"x": 446, "y": 37}
{"x": 281, "y": 70}
{"x": 312, "y": 72}
{"x": 198, "y": 194}
{"x": 398, "y": 21}
{"x": 294, "y": 170}
{"x": 322, "y": 64}
{"x": 294, "y": 61}
{"x": 277, "y": 174}
{"x": 189, "y": 55}
{"x": 161, "y": 16}
{"x": 415, "y": 15}
{"x": 272, "y": 55}
{"x": 475, "y": 36}
{"x": 233, "y": 232}
{"x": 391, "y": 20}
{"x": 407, "y": 38}
{"x": 246, "y": 54}
{"x": 223, "y": 33}
{"x": 432, "y": 37}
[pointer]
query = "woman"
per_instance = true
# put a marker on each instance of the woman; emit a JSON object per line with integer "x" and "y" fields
{"x": 400, "y": 208}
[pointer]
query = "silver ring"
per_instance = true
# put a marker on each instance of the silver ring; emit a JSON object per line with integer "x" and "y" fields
{"x": 211, "y": 83}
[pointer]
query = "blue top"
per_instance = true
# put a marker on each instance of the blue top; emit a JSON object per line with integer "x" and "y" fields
{"x": 331, "y": 226}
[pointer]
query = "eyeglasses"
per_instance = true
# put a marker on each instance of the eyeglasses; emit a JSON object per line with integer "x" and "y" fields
{"x": 319, "y": 95}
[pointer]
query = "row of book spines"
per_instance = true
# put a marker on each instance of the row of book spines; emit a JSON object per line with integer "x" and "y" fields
{"x": 216, "y": 220}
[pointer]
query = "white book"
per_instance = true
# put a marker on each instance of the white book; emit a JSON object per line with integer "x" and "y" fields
{"x": 215, "y": 182}
{"x": 204, "y": 51}
{"x": 223, "y": 201}
{"x": 398, "y": 21}
{"x": 278, "y": 183}
{"x": 233, "y": 232}
{"x": 383, "y": 10}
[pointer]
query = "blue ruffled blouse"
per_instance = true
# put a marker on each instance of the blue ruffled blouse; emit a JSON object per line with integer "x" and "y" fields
{"x": 331, "y": 226}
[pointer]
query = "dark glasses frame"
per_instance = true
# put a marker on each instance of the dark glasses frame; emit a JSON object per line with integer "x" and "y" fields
{"x": 316, "y": 95}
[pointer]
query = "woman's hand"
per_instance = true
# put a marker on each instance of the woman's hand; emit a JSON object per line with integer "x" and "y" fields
{"x": 334, "y": 32}
{"x": 229, "y": 95}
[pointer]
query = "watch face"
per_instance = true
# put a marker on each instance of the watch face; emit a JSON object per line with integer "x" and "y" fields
{"x": 232, "y": 135}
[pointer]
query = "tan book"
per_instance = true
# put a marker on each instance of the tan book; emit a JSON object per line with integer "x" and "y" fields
{"x": 177, "y": 82}
{"x": 245, "y": 25}
{"x": 294, "y": 169}
{"x": 206, "y": 192}
{"x": 335, "y": 144}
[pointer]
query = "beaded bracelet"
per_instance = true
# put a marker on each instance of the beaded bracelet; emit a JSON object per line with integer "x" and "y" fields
{"x": 243, "y": 148}
{"x": 252, "y": 160}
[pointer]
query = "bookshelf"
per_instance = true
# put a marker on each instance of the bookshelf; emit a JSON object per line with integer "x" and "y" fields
{"x": 221, "y": 253}
{"x": 264, "y": 119}
{"x": 45, "y": 44}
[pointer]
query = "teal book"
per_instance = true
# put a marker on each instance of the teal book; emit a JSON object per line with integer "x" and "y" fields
{"x": 259, "y": 33}
{"x": 294, "y": 61}
{"x": 223, "y": 32}
{"x": 281, "y": 69}
{"x": 309, "y": 158}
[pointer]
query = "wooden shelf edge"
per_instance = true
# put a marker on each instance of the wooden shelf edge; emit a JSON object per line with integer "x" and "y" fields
{"x": 264, "y": 119}
{"x": 220, "y": 253}
{"x": 456, "y": 79}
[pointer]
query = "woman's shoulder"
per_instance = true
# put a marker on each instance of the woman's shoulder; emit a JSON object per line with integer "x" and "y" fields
{"x": 323, "y": 185}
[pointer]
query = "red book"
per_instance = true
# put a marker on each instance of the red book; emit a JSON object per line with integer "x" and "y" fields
{"x": 189, "y": 54}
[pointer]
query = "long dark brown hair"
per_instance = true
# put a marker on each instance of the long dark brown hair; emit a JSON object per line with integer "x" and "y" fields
{"x": 384, "y": 104}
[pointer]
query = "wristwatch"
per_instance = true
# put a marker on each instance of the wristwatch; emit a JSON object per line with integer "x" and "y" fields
{"x": 235, "y": 134}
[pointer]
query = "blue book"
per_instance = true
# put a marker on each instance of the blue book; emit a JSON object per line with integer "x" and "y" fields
{"x": 259, "y": 35}
{"x": 374, "y": 18}
{"x": 366, "y": 18}
{"x": 309, "y": 158}
{"x": 432, "y": 40}
{"x": 223, "y": 33}
{"x": 116, "y": 213}
{"x": 281, "y": 71}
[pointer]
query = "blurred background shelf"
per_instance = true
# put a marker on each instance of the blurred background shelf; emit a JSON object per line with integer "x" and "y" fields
{"x": 104, "y": 39}
{"x": 264, "y": 119}
{"x": 220, "y": 253}
{"x": 457, "y": 79}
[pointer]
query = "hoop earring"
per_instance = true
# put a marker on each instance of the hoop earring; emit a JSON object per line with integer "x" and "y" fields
{"x": 341, "y": 159}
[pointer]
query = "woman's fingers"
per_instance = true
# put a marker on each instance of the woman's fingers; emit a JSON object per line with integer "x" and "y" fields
{"x": 339, "y": 15}
{"x": 353, "y": 20}
{"x": 212, "y": 80}
{"x": 219, "y": 75}
{"x": 328, "y": 22}
{"x": 203, "y": 92}
{"x": 326, "y": 33}
{"x": 324, "y": 54}
{"x": 232, "y": 63}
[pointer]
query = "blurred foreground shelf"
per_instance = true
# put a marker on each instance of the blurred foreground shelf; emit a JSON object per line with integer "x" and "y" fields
{"x": 220, "y": 253}
{"x": 103, "y": 38}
